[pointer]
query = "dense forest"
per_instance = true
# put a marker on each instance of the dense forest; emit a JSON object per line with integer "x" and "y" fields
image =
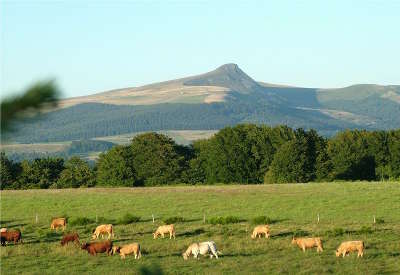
{"x": 246, "y": 154}
{"x": 89, "y": 120}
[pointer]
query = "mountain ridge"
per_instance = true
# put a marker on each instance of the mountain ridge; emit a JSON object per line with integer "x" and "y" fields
{"x": 223, "y": 97}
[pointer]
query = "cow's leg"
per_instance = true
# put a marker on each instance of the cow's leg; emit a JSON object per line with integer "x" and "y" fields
{"x": 162, "y": 235}
{"x": 215, "y": 254}
{"x": 304, "y": 248}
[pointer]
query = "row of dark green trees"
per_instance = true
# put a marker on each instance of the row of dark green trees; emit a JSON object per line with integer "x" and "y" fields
{"x": 244, "y": 154}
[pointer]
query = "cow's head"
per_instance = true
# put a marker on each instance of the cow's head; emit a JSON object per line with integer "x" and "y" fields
{"x": 116, "y": 249}
{"x": 293, "y": 240}
{"x": 84, "y": 246}
{"x": 337, "y": 253}
{"x": 155, "y": 235}
{"x": 185, "y": 256}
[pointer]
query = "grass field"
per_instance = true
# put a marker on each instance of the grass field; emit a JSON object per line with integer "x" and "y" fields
{"x": 346, "y": 212}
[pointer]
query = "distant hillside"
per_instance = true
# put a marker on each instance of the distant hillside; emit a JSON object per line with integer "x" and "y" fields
{"x": 225, "y": 96}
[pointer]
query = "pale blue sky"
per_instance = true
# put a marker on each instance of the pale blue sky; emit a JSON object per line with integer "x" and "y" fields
{"x": 93, "y": 46}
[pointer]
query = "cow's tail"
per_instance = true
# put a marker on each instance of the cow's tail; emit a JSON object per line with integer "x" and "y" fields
{"x": 219, "y": 252}
{"x": 140, "y": 252}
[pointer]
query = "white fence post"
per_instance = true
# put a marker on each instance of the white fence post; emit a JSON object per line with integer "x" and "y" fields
{"x": 374, "y": 219}
{"x": 152, "y": 215}
{"x": 318, "y": 217}
{"x": 37, "y": 218}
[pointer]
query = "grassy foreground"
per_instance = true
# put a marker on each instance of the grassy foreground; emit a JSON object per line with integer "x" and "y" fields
{"x": 346, "y": 212}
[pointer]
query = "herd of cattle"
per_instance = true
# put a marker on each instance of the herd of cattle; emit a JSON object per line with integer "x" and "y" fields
{"x": 195, "y": 249}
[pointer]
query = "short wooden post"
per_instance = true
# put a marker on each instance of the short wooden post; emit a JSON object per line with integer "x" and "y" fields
{"x": 318, "y": 218}
{"x": 96, "y": 218}
{"x": 152, "y": 215}
{"x": 37, "y": 218}
{"x": 204, "y": 217}
{"x": 374, "y": 219}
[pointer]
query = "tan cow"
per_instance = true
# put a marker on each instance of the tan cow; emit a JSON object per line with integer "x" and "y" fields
{"x": 351, "y": 246}
{"x": 133, "y": 248}
{"x": 163, "y": 229}
{"x": 304, "y": 243}
{"x": 103, "y": 229}
{"x": 58, "y": 222}
{"x": 259, "y": 230}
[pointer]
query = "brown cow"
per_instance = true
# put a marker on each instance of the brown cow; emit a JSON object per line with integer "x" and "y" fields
{"x": 304, "y": 243}
{"x": 10, "y": 236}
{"x": 58, "y": 222}
{"x": 98, "y": 247}
{"x": 73, "y": 237}
{"x": 346, "y": 247}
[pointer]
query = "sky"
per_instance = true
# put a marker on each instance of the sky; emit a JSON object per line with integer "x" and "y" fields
{"x": 94, "y": 46}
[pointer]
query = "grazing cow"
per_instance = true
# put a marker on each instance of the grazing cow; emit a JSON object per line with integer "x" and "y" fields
{"x": 304, "y": 243}
{"x": 347, "y": 247}
{"x": 98, "y": 247}
{"x": 163, "y": 229}
{"x": 259, "y": 230}
{"x": 202, "y": 249}
{"x": 103, "y": 229}
{"x": 3, "y": 230}
{"x": 10, "y": 236}
{"x": 133, "y": 248}
{"x": 73, "y": 237}
{"x": 58, "y": 222}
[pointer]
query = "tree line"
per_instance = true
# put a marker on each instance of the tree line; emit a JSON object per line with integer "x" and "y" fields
{"x": 246, "y": 154}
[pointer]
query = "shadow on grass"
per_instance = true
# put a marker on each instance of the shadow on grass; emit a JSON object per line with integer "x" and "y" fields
{"x": 296, "y": 233}
{"x": 195, "y": 232}
{"x": 274, "y": 221}
{"x": 241, "y": 254}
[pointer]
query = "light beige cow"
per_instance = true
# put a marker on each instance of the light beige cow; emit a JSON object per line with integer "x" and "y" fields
{"x": 58, "y": 222}
{"x": 259, "y": 230}
{"x": 350, "y": 246}
{"x": 164, "y": 229}
{"x": 103, "y": 229}
{"x": 304, "y": 243}
{"x": 3, "y": 230}
{"x": 133, "y": 248}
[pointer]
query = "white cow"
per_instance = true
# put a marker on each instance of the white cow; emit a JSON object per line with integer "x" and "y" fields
{"x": 203, "y": 248}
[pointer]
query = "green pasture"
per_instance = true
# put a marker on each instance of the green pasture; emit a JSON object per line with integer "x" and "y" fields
{"x": 346, "y": 211}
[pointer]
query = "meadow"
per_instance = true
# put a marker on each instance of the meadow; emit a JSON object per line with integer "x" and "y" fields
{"x": 346, "y": 212}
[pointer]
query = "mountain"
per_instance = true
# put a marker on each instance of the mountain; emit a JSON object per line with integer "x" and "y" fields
{"x": 210, "y": 101}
